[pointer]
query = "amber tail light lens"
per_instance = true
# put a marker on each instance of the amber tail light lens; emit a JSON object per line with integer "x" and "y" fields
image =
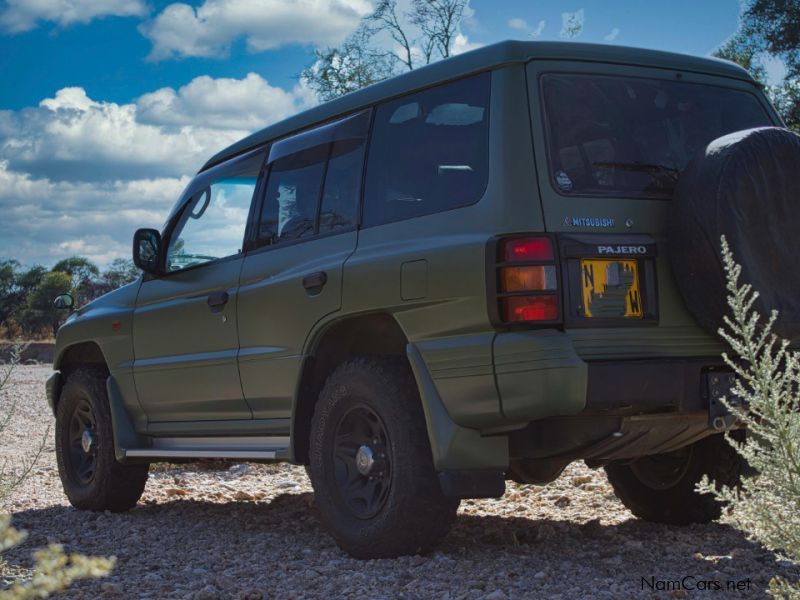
{"x": 528, "y": 279}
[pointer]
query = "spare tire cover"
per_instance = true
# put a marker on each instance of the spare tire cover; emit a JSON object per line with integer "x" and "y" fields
{"x": 745, "y": 186}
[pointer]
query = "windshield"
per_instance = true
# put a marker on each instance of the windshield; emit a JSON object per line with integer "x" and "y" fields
{"x": 630, "y": 137}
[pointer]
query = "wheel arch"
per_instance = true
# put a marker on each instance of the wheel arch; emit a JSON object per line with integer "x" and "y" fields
{"x": 374, "y": 333}
{"x": 86, "y": 353}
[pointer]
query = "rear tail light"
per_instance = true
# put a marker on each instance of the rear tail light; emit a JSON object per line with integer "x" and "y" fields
{"x": 540, "y": 278}
{"x": 530, "y": 308}
{"x": 528, "y": 249}
{"x": 525, "y": 286}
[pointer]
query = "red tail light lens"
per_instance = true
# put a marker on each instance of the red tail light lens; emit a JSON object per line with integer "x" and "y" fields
{"x": 529, "y": 249}
{"x": 530, "y": 308}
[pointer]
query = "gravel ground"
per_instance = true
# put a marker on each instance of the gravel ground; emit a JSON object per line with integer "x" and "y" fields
{"x": 250, "y": 531}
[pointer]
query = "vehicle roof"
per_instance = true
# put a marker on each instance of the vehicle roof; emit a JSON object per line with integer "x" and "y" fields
{"x": 482, "y": 59}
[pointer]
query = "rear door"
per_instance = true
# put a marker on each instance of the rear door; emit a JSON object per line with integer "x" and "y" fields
{"x": 305, "y": 231}
{"x": 185, "y": 322}
{"x": 610, "y": 142}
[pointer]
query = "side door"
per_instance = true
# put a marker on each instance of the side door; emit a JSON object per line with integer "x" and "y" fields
{"x": 185, "y": 323}
{"x": 293, "y": 277}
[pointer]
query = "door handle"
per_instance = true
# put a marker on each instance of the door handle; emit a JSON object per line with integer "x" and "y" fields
{"x": 315, "y": 280}
{"x": 217, "y": 301}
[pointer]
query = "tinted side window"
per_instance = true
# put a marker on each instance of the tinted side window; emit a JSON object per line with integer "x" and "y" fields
{"x": 212, "y": 224}
{"x": 290, "y": 203}
{"x": 314, "y": 181}
{"x": 429, "y": 152}
{"x": 342, "y": 186}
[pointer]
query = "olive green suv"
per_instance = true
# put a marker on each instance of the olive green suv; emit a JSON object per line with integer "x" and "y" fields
{"x": 480, "y": 270}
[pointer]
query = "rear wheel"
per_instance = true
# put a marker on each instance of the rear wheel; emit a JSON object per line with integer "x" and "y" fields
{"x": 371, "y": 464}
{"x": 661, "y": 487}
{"x": 90, "y": 474}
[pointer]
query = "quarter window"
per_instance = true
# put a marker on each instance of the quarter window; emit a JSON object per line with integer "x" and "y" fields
{"x": 429, "y": 152}
{"x": 212, "y": 223}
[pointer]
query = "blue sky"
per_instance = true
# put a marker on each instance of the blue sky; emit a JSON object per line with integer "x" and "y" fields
{"x": 107, "y": 107}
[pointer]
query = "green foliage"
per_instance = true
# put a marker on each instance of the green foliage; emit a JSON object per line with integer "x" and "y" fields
{"x": 744, "y": 52}
{"x": 26, "y": 295}
{"x": 770, "y": 28}
{"x": 388, "y": 41}
{"x": 120, "y": 272}
{"x": 347, "y": 68}
{"x": 39, "y": 312}
{"x": 774, "y": 27}
{"x": 54, "y": 570}
{"x": 767, "y": 507}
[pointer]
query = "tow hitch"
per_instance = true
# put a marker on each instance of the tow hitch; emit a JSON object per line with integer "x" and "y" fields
{"x": 717, "y": 386}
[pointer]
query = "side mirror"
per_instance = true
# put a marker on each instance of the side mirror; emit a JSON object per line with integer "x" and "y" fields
{"x": 147, "y": 250}
{"x": 64, "y": 301}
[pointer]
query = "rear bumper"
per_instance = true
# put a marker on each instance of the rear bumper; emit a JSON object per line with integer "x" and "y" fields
{"x": 494, "y": 397}
{"x": 540, "y": 375}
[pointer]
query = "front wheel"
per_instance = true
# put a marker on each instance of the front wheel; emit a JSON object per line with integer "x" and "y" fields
{"x": 371, "y": 463}
{"x": 661, "y": 487}
{"x": 90, "y": 474}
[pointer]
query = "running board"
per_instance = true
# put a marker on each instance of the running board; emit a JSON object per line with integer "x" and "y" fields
{"x": 240, "y": 448}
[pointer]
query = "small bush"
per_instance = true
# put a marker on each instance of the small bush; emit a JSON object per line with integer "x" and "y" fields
{"x": 767, "y": 506}
{"x": 54, "y": 570}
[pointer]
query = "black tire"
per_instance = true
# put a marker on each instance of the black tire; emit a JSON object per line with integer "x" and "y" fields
{"x": 744, "y": 186}
{"x": 92, "y": 480}
{"x": 401, "y": 509}
{"x": 661, "y": 487}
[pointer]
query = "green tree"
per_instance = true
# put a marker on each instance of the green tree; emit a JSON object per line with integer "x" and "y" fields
{"x": 84, "y": 274}
{"x": 770, "y": 28}
{"x": 119, "y": 272}
{"x": 39, "y": 312}
{"x": 10, "y": 297}
{"x": 388, "y": 41}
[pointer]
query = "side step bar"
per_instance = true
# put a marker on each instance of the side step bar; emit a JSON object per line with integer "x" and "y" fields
{"x": 243, "y": 455}
{"x": 241, "y": 448}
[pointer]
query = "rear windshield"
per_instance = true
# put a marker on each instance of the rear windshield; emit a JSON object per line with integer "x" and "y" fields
{"x": 620, "y": 136}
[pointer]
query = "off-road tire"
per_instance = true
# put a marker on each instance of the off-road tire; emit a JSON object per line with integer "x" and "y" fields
{"x": 415, "y": 515}
{"x": 112, "y": 485}
{"x": 678, "y": 503}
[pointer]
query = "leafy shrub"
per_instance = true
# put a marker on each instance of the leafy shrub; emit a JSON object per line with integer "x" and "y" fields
{"x": 54, "y": 570}
{"x": 767, "y": 506}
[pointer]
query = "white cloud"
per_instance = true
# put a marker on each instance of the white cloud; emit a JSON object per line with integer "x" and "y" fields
{"x": 572, "y": 24}
{"x": 517, "y": 23}
{"x": 612, "y": 35}
{"x": 775, "y": 68}
{"x": 522, "y": 25}
{"x": 239, "y": 104}
{"x": 166, "y": 133}
{"x": 23, "y": 15}
{"x": 78, "y": 175}
{"x": 209, "y": 30}
{"x": 44, "y": 221}
{"x": 462, "y": 44}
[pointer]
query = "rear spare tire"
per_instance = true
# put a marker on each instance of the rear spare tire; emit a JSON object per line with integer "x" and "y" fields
{"x": 745, "y": 186}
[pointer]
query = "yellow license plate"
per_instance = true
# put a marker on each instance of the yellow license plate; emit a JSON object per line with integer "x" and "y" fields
{"x": 611, "y": 289}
